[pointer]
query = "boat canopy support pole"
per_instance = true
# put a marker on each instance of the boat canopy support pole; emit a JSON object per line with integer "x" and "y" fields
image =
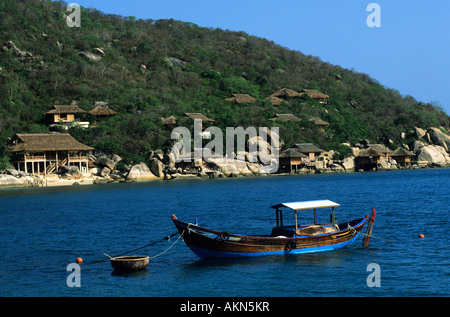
{"x": 296, "y": 227}
{"x": 333, "y": 217}
{"x": 279, "y": 213}
{"x": 316, "y": 220}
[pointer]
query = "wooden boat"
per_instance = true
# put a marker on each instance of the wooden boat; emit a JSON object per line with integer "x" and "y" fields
{"x": 129, "y": 263}
{"x": 291, "y": 239}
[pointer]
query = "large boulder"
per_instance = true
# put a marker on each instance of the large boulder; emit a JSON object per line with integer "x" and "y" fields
{"x": 349, "y": 164}
{"x": 106, "y": 162}
{"x": 439, "y": 138}
{"x": 234, "y": 167}
{"x": 156, "y": 167}
{"x": 227, "y": 168}
{"x": 72, "y": 170}
{"x": 417, "y": 145}
{"x": 16, "y": 51}
{"x": 140, "y": 172}
{"x": 420, "y": 133}
{"x": 433, "y": 154}
{"x": 10, "y": 181}
{"x": 255, "y": 168}
{"x": 90, "y": 56}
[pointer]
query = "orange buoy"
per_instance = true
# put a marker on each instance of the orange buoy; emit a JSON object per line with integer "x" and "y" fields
{"x": 79, "y": 260}
{"x": 421, "y": 236}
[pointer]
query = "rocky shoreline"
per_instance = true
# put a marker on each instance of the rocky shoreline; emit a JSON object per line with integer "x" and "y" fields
{"x": 430, "y": 149}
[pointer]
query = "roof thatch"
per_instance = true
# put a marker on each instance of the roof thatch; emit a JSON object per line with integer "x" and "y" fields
{"x": 286, "y": 117}
{"x": 380, "y": 148}
{"x": 374, "y": 150}
{"x": 315, "y": 94}
{"x": 402, "y": 152}
{"x": 292, "y": 153}
{"x": 318, "y": 121}
{"x": 102, "y": 110}
{"x": 42, "y": 142}
{"x": 307, "y": 148}
{"x": 199, "y": 116}
{"x": 169, "y": 120}
{"x": 276, "y": 101}
{"x": 241, "y": 98}
{"x": 369, "y": 152}
{"x": 66, "y": 109}
{"x": 286, "y": 93}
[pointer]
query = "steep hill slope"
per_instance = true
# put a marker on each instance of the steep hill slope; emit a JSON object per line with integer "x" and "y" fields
{"x": 148, "y": 70}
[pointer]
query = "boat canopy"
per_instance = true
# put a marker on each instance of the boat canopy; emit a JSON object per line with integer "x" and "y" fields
{"x": 308, "y": 204}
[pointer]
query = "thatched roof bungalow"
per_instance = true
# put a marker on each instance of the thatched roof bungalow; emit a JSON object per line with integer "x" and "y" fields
{"x": 241, "y": 98}
{"x": 46, "y": 152}
{"x": 319, "y": 122}
{"x": 198, "y": 116}
{"x": 315, "y": 94}
{"x": 308, "y": 149}
{"x": 372, "y": 156}
{"x": 275, "y": 101}
{"x": 169, "y": 121}
{"x": 285, "y": 117}
{"x": 65, "y": 114}
{"x": 102, "y": 110}
{"x": 286, "y": 93}
{"x": 402, "y": 156}
{"x": 291, "y": 159}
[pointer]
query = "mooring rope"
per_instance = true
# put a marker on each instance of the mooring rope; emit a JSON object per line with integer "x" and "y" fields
{"x": 181, "y": 235}
{"x": 143, "y": 247}
{"x": 371, "y": 236}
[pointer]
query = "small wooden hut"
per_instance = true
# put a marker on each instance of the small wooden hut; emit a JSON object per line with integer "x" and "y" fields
{"x": 198, "y": 116}
{"x": 65, "y": 114}
{"x": 291, "y": 160}
{"x": 308, "y": 149}
{"x": 102, "y": 109}
{"x": 402, "y": 156}
{"x": 285, "y": 117}
{"x": 319, "y": 122}
{"x": 315, "y": 94}
{"x": 286, "y": 93}
{"x": 275, "y": 101}
{"x": 241, "y": 98}
{"x": 169, "y": 121}
{"x": 372, "y": 157}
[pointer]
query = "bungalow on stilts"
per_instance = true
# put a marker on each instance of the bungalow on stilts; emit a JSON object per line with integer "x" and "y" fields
{"x": 44, "y": 153}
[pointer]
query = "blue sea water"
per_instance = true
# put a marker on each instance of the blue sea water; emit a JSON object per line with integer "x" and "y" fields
{"x": 43, "y": 230}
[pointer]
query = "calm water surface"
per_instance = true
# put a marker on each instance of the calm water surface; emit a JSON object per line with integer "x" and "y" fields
{"x": 45, "y": 229}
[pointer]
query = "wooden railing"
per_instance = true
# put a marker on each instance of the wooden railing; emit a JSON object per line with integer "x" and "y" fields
{"x": 34, "y": 157}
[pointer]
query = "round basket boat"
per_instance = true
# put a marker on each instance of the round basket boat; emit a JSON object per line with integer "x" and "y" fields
{"x": 129, "y": 263}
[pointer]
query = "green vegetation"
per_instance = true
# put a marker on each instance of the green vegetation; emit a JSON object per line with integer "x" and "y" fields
{"x": 187, "y": 69}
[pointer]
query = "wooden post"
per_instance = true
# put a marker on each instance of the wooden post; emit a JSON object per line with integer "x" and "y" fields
{"x": 366, "y": 239}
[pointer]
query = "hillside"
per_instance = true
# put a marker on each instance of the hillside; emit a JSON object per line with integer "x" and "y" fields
{"x": 147, "y": 70}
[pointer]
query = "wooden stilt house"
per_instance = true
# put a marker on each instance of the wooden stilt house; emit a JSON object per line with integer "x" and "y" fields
{"x": 291, "y": 160}
{"x": 45, "y": 153}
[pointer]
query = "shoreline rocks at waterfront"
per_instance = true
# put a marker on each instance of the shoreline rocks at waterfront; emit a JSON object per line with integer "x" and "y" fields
{"x": 429, "y": 149}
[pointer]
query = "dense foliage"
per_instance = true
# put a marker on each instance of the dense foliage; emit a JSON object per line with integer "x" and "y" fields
{"x": 187, "y": 69}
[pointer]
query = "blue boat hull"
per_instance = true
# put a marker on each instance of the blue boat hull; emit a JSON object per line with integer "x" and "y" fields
{"x": 207, "y": 243}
